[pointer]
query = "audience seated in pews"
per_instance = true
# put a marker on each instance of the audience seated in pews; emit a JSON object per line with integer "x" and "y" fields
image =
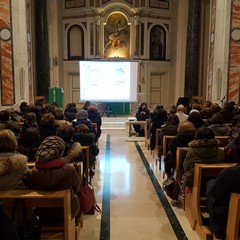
{"x": 52, "y": 173}
{"x": 218, "y": 196}
{"x": 204, "y": 149}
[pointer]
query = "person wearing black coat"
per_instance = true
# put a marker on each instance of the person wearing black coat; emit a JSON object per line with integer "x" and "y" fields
{"x": 218, "y": 197}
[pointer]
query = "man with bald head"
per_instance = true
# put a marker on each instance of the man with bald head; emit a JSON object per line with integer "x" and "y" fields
{"x": 181, "y": 113}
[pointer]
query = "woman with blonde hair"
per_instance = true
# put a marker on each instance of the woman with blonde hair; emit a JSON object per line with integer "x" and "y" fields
{"x": 13, "y": 166}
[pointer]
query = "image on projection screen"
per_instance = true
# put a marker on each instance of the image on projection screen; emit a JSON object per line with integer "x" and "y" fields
{"x": 108, "y": 81}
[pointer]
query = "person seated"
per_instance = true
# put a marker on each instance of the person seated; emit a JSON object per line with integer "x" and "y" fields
{"x": 228, "y": 111}
{"x": 196, "y": 118}
{"x": 204, "y": 149}
{"x": 170, "y": 128}
{"x": 70, "y": 111}
{"x": 218, "y": 126}
{"x": 218, "y": 197}
{"x": 13, "y": 166}
{"x": 59, "y": 116}
{"x": 47, "y": 126}
{"x": 72, "y": 151}
{"x": 82, "y": 118}
{"x": 232, "y": 150}
{"x": 181, "y": 113}
{"x": 185, "y": 134}
{"x": 29, "y": 140}
{"x": 4, "y": 118}
{"x": 95, "y": 117}
{"x": 142, "y": 114}
{"x": 158, "y": 119}
{"x": 51, "y": 173}
{"x": 83, "y": 135}
{"x": 235, "y": 126}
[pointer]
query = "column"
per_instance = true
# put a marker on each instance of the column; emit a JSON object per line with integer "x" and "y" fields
{"x": 192, "y": 51}
{"x": 42, "y": 51}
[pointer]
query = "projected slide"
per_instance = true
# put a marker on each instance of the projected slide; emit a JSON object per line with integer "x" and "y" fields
{"x": 108, "y": 81}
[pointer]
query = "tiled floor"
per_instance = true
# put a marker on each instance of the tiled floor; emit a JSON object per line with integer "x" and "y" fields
{"x": 128, "y": 190}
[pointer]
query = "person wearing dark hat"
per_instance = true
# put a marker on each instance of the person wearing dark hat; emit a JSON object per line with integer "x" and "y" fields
{"x": 82, "y": 118}
{"x": 52, "y": 173}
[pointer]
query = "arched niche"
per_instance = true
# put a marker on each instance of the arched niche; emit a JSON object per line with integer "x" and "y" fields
{"x": 75, "y": 42}
{"x": 157, "y": 43}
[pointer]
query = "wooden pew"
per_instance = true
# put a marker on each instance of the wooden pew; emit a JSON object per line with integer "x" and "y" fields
{"x": 44, "y": 199}
{"x": 233, "y": 217}
{"x": 166, "y": 141}
{"x": 86, "y": 152}
{"x": 180, "y": 156}
{"x": 156, "y": 146}
{"x": 193, "y": 199}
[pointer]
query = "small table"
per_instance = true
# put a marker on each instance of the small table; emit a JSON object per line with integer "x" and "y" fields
{"x": 144, "y": 124}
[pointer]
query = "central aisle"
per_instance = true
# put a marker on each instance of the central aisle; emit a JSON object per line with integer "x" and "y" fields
{"x": 128, "y": 189}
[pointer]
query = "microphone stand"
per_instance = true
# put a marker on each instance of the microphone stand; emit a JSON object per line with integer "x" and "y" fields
{"x": 221, "y": 101}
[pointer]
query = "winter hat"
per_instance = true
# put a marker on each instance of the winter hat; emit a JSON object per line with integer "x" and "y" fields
{"x": 82, "y": 114}
{"x": 51, "y": 148}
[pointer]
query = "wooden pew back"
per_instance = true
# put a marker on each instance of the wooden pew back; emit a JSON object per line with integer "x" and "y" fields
{"x": 193, "y": 199}
{"x": 233, "y": 217}
{"x": 45, "y": 199}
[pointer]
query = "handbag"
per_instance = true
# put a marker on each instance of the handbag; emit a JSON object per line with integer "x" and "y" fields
{"x": 27, "y": 229}
{"x": 171, "y": 187}
{"x": 87, "y": 199}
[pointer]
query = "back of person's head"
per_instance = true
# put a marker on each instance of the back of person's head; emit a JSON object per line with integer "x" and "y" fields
{"x": 236, "y": 120}
{"x": 58, "y": 113}
{"x": 71, "y": 107}
{"x": 207, "y": 104}
{"x": 181, "y": 108}
{"x": 196, "y": 106}
{"x": 51, "y": 148}
{"x": 47, "y": 119}
{"x": 186, "y": 127}
{"x": 217, "y": 118}
{"x": 228, "y": 106}
{"x": 172, "y": 109}
{"x": 204, "y": 133}
{"x": 4, "y": 115}
{"x": 143, "y": 105}
{"x": 30, "y": 119}
{"x": 23, "y": 106}
{"x": 8, "y": 141}
{"x": 86, "y": 105}
{"x": 14, "y": 127}
{"x": 172, "y": 119}
{"x": 196, "y": 119}
{"x": 157, "y": 107}
{"x": 92, "y": 108}
{"x": 81, "y": 128}
{"x": 82, "y": 114}
{"x": 65, "y": 131}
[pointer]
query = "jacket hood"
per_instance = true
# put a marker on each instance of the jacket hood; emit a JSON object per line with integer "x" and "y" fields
{"x": 205, "y": 148}
{"x": 11, "y": 162}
